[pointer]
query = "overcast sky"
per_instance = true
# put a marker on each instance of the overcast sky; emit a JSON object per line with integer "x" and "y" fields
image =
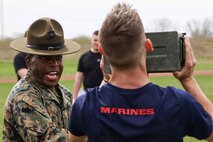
{"x": 82, "y": 17}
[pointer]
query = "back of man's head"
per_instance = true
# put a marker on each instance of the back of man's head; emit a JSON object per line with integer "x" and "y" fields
{"x": 122, "y": 36}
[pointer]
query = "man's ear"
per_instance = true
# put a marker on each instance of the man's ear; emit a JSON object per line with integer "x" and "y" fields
{"x": 28, "y": 61}
{"x": 100, "y": 49}
{"x": 148, "y": 45}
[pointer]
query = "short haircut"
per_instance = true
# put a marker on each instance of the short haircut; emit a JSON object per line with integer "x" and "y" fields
{"x": 122, "y": 36}
{"x": 95, "y": 32}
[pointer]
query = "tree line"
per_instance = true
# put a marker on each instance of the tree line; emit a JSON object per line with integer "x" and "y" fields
{"x": 195, "y": 28}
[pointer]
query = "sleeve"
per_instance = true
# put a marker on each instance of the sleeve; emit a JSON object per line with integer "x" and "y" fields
{"x": 198, "y": 121}
{"x": 34, "y": 123}
{"x": 81, "y": 64}
{"x": 76, "y": 121}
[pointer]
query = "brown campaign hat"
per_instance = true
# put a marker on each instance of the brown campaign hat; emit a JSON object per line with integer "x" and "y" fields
{"x": 45, "y": 36}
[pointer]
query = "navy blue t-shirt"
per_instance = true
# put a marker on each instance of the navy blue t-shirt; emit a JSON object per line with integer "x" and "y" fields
{"x": 147, "y": 114}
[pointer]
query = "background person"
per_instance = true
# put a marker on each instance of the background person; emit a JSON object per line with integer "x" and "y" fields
{"x": 89, "y": 72}
{"x": 20, "y": 64}
{"x": 38, "y": 107}
{"x": 130, "y": 107}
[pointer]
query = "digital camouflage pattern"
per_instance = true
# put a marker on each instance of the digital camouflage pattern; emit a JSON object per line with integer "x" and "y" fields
{"x": 33, "y": 113}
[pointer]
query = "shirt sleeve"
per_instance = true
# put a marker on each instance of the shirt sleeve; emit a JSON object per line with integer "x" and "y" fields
{"x": 198, "y": 121}
{"x": 76, "y": 121}
{"x": 80, "y": 64}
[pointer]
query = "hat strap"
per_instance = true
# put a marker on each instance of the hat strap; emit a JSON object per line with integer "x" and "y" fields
{"x": 46, "y": 47}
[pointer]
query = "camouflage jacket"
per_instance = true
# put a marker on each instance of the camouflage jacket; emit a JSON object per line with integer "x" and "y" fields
{"x": 33, "y": 113}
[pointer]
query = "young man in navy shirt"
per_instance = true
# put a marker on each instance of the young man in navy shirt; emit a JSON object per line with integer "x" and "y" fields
{"x": 130, "y": 108}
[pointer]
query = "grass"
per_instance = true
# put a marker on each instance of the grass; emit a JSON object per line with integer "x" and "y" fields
{"x": 205, "y": 82}
{"x": 7, "y": 70}
{"x": 70, "y": 66}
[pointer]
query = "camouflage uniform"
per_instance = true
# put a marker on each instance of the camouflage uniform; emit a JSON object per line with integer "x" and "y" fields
{"x": 33, "y": 113}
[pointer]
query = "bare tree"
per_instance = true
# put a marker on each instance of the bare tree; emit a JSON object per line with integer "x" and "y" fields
{"x": 164, "y": 25}
{"x": 206, "y": 30}
{"x": 200, "y": 29}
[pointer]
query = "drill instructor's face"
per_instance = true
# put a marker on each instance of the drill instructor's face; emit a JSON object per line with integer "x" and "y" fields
{"x": 46, "y": 70}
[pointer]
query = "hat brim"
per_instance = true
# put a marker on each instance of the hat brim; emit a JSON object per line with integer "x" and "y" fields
{"x": 21, "y": 46}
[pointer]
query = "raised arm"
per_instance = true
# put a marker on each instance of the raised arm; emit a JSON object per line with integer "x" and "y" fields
{"x": 186, "y": 78}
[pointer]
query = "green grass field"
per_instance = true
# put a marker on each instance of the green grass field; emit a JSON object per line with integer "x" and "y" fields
{"x": 70, "y": 65}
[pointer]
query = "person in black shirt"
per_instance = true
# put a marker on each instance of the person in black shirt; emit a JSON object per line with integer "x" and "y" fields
{"x": 89, "y": 72}
{"x": 20, "y": 64}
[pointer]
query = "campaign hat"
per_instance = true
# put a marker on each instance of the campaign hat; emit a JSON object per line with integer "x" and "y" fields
{"x": 45, "y": 36}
